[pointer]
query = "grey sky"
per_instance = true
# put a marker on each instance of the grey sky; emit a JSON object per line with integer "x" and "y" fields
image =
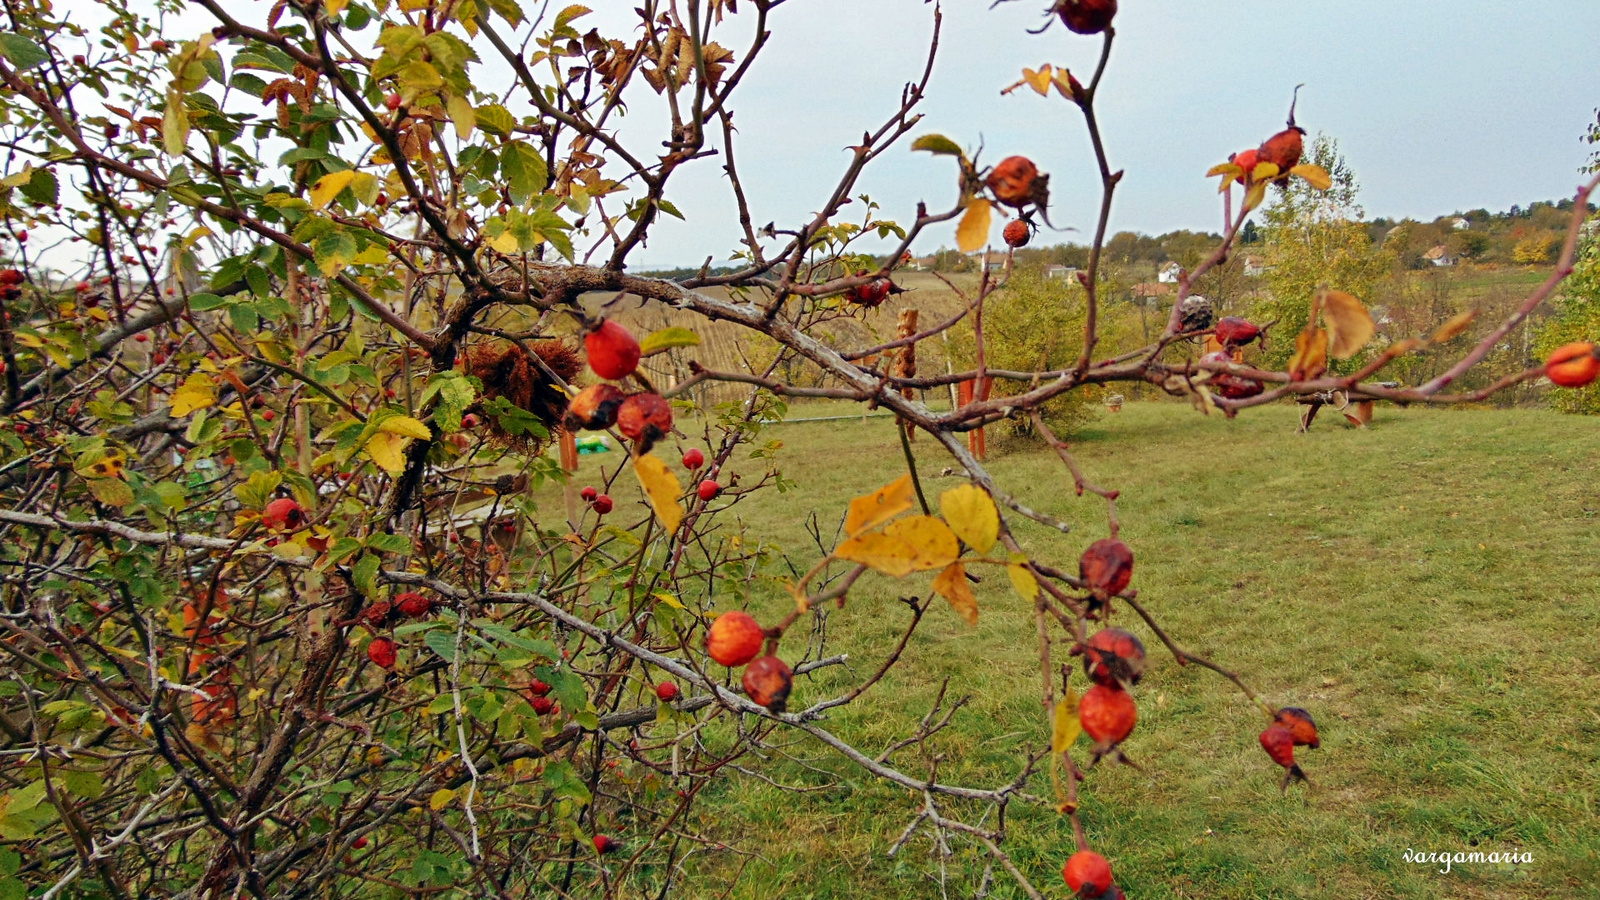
{"x": 1437, "y": 106}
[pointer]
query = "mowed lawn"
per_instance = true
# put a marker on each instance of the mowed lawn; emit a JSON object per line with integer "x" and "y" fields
{"x": 1428, "y": 588}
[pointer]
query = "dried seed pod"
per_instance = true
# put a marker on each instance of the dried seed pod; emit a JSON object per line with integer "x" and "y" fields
{"x": 1300, "y": 725}
{"x": 1196, "y": 313}
{"x": 1236, "y": 331}
{"x": 1086, "y": 16}
{"x": 1106, "y": 568}
{"x": 507, "y": 371}
{"x": 1012, "y": 180}
{"x": 1234, "y": 387}
{"x": 1017, "y": 233}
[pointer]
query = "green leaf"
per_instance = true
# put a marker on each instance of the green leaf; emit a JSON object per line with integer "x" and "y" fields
{"x": 442, "y": 642}
{"x": 333, "y": 251}
{"x": 524, "y": 169}
{"x": 21, "y": 52}
{"x": 390, "y": 543}
{"x": 563, "y": 780}
{"x": 668, "y": 339}
{"x": 42, "y": 188}
{"x": 496, "y": 119}
{"x": 937, "y": 144}
{"x": 365, "y": 574}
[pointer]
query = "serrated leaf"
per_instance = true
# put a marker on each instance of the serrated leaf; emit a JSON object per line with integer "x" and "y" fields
{"x": 1023, "y": 582}
{"x": 462, "y": 115}
{"x": 440, "y": 799}
{"x": 407, "y": 426}
{"x": 441, "y": 642}
{"x": 1350, "y": 326}
{"x": 973, "y": 232}
{"x": 972, "y": 516}
{"x": 333, "y": 251}
{"x": 668, "y": 339}
{"x": 661, "y": 488}
{"x": 1265, "y": 171}
{"x": 880, "y": 552}
{"x": 1453, "y": 328}
{"x": 387, "y": 449}
{"x": 111, "y": 491}
{"x": 1316, "y": 176}
{"x": 1067, "y": 725}
{"x": 952, "y": 585}
{"x": 175, "y": 125}
{"x": 330, "y": 186}
{"x": 524, "y": 169}
{"x": 937, "y": 144}
{"x": 496, "y": 119}
{"x": 871, "y": 510}
{"x": 198, "y": 391}
{"x": 42, "y": 187}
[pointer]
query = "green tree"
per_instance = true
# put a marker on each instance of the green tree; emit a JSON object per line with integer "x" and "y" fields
{"x": 1315, "y": 240}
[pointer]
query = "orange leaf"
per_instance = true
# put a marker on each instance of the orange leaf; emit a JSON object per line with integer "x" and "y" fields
{"x": 880, "y": 552}
{"x": 952, "y": 586}
{"x": 973, "y": 232}
{"x": 1457, "y": 324}
{"x": 1038, "y": 80}
{"x": 1310, "y": 355}
{"x": 871, "y": 510}
{"x": 1349, "y": 324}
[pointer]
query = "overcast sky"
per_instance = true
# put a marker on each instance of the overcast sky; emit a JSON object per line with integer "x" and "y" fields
{"x": 1437, "y": 105}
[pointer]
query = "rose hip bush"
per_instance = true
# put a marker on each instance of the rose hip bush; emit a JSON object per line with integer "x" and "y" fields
{"x": 301, "y": 298}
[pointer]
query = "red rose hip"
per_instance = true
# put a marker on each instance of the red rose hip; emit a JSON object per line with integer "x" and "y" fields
{"x": 734, "y": 639}
{"x": 613, "y": 350}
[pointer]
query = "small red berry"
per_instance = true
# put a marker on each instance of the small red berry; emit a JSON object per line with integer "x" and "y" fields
{"x": 1106, "y": 568}
{"x": 359, "y": 843}
{"x": 602, "y": 504}
{"x": 268, "y": 415}
{"x": 1114, "y": 656}
{"x": 470, "y": 420}
{"x": 1088, "y": 874}
{"x": 667, "y": 692}
{"x": 141, "y": 338}
{"x": 613, "y": 350}
{"x": 382, "y": 652}
{"x": 734, "y": 639}
{"x": 709, "y": 490}
{"x": 1573, "y": 366}
{"x": 768, "y": 681}
{"x": 392, "y": 101}
{"x": 588, "y": 494}
{"x": 1108, "y": 714}
{"x": 283, "y": 513}
{"x": 1017, "y": 233}
{"x": 604, "y": 845}
{"x": 413, "y": 605}
{"x": 694, "y": 459}
{"x": 538, "y": 688}
{"x": 543, "y": 705}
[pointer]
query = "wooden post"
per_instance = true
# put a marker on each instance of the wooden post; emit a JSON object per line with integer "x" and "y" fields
{"x": 905, "y": 363}
{"x": 569, "y": 464}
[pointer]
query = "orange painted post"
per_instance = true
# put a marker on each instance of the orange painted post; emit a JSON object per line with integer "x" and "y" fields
{"x": 569, "y": 464}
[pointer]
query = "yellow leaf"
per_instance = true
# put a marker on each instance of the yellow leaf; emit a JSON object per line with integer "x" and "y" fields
{"x": 661, "y": 488}
{"x": 1038, "y": 80}
{"x": 1264, "y": 172}
{"x": 1310, "y": 355}
{"x": 1023, "y": 582}
{"x": 1257, "y": 193}
{"x": 871, "y": 510}
{"x": 1457, "y": 324}
{"x": 952, "y": 586}
{"x": 334, "y": 7}
{"x": 462, "y": 114}
{"x": 387, "y": 449}
{"x": 932, "y": 540}
{"x": 198, "y": 391}
{"x": 880, "y": 552}
{"x": 1349, "y": 324}
{"x": 440, "y": 799}
{"x": 972, "y": 516}
{"x": 1229, "y": 169}
{"x": 668, "y": 339}
{"x": 329, "y": 186}
{"x": 1316, "y": 176}
{"x": 505, "y": 243}
{"x": 1067, "y": 725}
{"x": 670, "y": 600}
{"x": 973, "y": 232}
{"x": 365, "y": 188}
{"x": 407, "y": 426}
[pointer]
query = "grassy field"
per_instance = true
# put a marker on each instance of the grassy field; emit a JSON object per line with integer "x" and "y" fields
{"x": 1429, "y": 589}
